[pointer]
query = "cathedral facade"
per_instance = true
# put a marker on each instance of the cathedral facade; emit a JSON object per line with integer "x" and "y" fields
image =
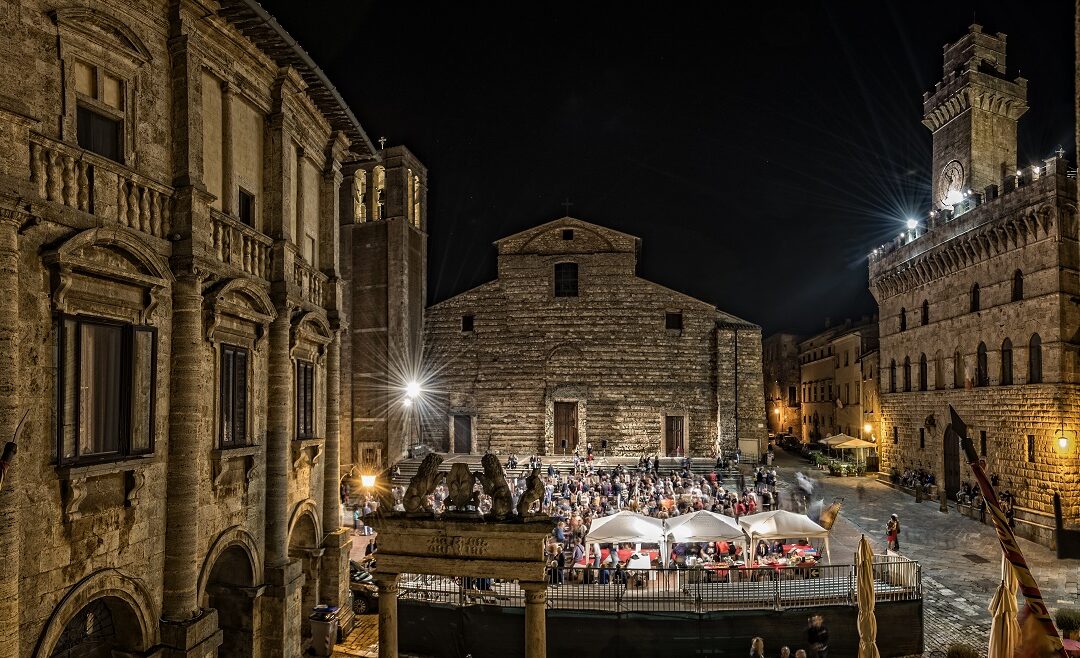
{"x": 978, "y": 302}
{"x": 173, "y": 183}
{"x": 568, "y": 348}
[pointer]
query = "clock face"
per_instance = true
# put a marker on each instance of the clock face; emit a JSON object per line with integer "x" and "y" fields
{"x": 950, "y": 187}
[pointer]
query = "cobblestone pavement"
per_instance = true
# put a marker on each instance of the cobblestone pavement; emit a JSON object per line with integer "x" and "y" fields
{"x": 960, "y": 558}
{"x": 363, "y": 641}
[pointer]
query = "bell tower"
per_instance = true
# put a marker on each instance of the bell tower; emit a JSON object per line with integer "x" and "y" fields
{"x": 972, "y": 113}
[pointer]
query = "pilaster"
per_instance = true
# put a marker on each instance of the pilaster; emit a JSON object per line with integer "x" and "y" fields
{"x": 279, "y": 423}
{"x": 198, "y": 637}
{"x": 282, "y": 611}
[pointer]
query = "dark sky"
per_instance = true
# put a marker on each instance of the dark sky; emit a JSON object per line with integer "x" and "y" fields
{"x": 759, "y": 149}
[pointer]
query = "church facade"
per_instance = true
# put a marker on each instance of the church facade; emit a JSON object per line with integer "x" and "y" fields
{"x": 977, "y": 302}
{"x": 568, "y": 348}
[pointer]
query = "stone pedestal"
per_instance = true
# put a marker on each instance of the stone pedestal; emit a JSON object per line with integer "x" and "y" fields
{"x": 194, "y": 638}
{"x": 535, "y": 619}
{"x": 334, "y": 582}
{"x": 282, "y": 612}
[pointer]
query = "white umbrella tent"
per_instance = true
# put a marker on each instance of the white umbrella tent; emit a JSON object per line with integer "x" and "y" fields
{"x": 782, "y": 524}
{"x": 702, "y": 526}
{"x": 629, "y": 527}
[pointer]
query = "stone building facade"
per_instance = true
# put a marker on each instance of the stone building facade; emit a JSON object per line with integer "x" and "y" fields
{"x": 569, "y": 348}
{"x": 169, "y": 254}
{"x": 780, "y": 360}
{"x": 977, "y": 303}
{"x": 384, "y": 257}
{"x": 831, "y": 379}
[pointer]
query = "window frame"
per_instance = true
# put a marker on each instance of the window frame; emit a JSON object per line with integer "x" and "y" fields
{"x": 1035, "y": 360}
{"x": 561, "y": 293}
{"x": 468, "y": 323}
{"x": 246, "y": 440}
{"x": 668, "y": 316}
{"x": 241, "y": 194}
{"x": 304, "y": 381}
{"x": 129, "y": 334}
{"x": 974, "y": 299}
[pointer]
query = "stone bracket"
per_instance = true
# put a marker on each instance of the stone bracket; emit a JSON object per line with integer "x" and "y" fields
{"x": 219, "y": 463}
{"x": 311, "y": 447}
{"x": 74, "y": 478}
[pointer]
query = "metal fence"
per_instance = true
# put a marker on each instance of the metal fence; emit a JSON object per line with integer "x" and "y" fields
{"x": 681, "y": 590}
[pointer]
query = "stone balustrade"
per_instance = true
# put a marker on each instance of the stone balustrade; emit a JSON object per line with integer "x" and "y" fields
{"x": 240, "y": 245}
{"x": 309, "y": 280}
{"x": 87, "y": 182}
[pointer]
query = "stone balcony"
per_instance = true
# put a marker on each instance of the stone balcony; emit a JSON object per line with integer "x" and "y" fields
{"x": 309, "y": 282}
{"x": 238, "y": 245}
{"x": 72, "y": 177}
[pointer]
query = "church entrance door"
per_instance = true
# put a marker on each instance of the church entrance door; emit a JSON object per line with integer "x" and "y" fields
{"x": 462, "y": 434}
{"x": 674, "y": 437}
{"x": 566, "y": 434}
{"x": 952, "y": 468}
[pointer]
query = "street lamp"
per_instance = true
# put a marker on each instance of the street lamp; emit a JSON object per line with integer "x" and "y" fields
{"x": 367, "y": 481}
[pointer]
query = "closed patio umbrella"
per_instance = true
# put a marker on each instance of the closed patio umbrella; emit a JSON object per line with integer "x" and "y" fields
{"x": 1004, "y": 628}
{"x": 867, "y": 619}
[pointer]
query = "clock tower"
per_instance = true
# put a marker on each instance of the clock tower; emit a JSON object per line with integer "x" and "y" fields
{"x": 972, "y": 113}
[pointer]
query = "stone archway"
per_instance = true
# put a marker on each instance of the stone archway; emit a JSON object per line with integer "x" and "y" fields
{"x": 304, "y": 545}
{"x": 231, "y": 590}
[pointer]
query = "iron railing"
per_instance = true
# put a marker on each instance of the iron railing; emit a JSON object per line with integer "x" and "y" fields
{"x": 681, "y": 590}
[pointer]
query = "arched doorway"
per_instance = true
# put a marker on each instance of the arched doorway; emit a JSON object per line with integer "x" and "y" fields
{"x": 230, "y": 589}
{"x": 106, "y": 626}
{"x": 304, "y": 545}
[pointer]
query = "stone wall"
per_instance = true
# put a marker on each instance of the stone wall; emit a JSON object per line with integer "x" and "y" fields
{"x": 606, "y": 349}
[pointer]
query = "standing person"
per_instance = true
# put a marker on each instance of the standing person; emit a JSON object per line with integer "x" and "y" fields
{"x": 892, "y": 533}
{"x": 356, "y": 520}
{"x": 785, "y": 652}
{"x": 757, "y": 648}
{"x": 588, "y": 452}
{"x": 818, "y": 637}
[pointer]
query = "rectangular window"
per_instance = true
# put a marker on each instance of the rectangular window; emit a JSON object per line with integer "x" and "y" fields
{"x": 246, "y": 207}
{"x": 468, "y": 322}
{"x": 309, "y": 250}
{"x": 792, "y": 399}
{"x": 99, "y": 134}
{"x": 233, "y": 396}
{"x": 568, "y": 234}
{"x": 566, "y": 280}
{"x": 982, "y": 443}
{"x": 106, "y": 389}
{"x": 673, "y": 321}
{"x": 922, "y": 438}
{"x": 1031, "y": 447}
{"x": 305, "y": 400}
{"x": 895, "y": 434}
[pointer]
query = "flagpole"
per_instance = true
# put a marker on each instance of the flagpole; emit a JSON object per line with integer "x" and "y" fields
{"x": 1028, "y": 586}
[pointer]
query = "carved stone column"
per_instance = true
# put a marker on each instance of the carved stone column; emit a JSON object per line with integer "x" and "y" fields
{"x": 331, "y": 512}
{"x": 10, "y": 414}
{"x": 535, "y": 619}
{"x": 279, "y": 433}
{"x": 228, "y": 182}
{"x": 388, "y": 622}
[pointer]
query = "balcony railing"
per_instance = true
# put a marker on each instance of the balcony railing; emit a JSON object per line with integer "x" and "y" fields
{"x": 682, "y": 590}
{"x": 238, "y": 244}
{"x": 309, "y": 280}
{"x": 88, "y": 182}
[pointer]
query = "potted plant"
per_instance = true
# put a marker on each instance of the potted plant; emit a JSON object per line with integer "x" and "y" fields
{"x": 1068, "y": 622}
{"x": 961, "y": 651}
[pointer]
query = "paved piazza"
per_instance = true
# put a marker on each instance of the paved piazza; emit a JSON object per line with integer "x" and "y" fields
{"x": 960, "y": 558}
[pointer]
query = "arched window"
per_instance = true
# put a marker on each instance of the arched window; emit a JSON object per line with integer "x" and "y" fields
{"x": 1035, "y": 373}
{"x": 922, "y": 372}
{"x": 925, "y": 319}
{"x": 1006, "y": 363}
{"x": 939, "y": 370}
{"x": 892, "y": 376}
{"x": 903, "y": 319}
{"x": 958, "y": 369}
{"x": 907, "y": 374}
{"x": 1018, "y": 286}
{"x": 975, "y": 298}
{"x": 982, "y": 376}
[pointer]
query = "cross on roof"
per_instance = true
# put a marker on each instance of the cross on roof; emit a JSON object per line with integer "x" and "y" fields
{"x": 1060, "y": 152}
{"x": 382, "y": 143}
{"x": 566, "y": 206}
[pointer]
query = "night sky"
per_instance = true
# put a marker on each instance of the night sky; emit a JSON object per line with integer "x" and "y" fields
{"x": 760, "y": 150}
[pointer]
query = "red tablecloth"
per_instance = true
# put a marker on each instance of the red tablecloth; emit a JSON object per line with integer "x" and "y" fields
{"x": 624, "y": 555}
{"x": 807, "y": 549}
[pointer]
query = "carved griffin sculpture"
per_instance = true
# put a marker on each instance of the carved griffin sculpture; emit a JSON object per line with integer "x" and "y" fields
{"x": 423, "y": 485}
{"x": 460, "y": 488}
{"x": 534, "y": 491}
{"x": 493, "y": 480}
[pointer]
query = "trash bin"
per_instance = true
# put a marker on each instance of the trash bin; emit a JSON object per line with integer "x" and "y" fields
{"x": 324, "y": 623}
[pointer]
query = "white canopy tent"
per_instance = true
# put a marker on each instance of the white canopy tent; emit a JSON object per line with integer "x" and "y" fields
{"x": 836, "y": 439}
{"x": 631, "y": 527}
{"x": 782, "y": 524}
{"x": 702, "y": 526}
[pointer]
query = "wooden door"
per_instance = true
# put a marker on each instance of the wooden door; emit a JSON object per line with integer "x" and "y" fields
{"x": 675, "y": 439}
{"x": 463, "y": 434}
{"x": 952, "y": 468}
{"x": 566, "y": 434}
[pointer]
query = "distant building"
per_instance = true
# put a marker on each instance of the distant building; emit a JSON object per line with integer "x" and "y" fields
{"x": 570, "y": 348}
{"x": 780, "y": 360}
{"x": 831, "y": 379}
{"x": 978, "y": 301}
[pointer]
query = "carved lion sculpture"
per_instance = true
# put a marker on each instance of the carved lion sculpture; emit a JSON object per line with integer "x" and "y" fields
{"x": 493, "y": 480}
{"x": 423, "y": 485}
{"x": 534, "y": 491}
{"x": 460, "y": 488}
